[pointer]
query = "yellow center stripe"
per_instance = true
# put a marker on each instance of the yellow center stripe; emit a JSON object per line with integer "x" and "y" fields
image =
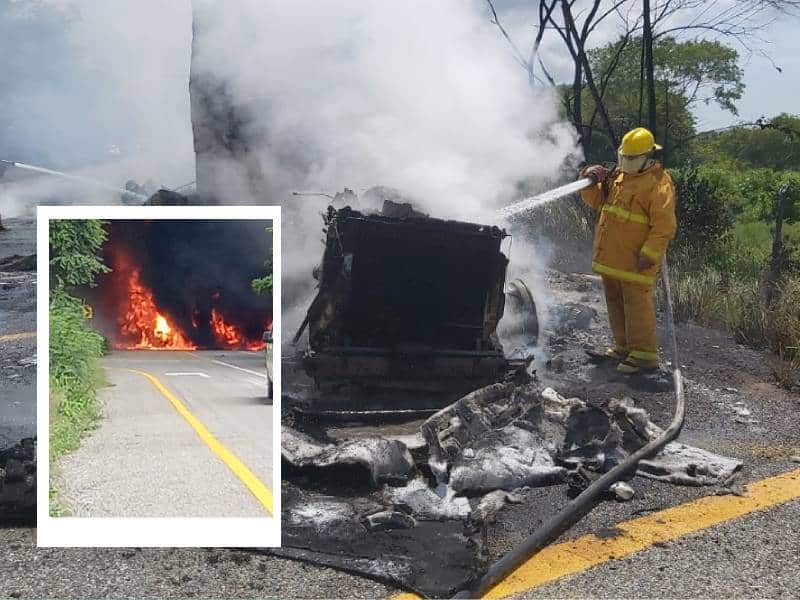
{"x": 625, "y": 214}
{"x": 574, "y": 556}
{"x": 623, "y": 275}
{"x": 13, "y": 337}
{"x": 261, "y": 492}
{"x": 589, "y": 550}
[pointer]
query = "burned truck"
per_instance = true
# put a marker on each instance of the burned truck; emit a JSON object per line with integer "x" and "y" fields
{"x": 407, "y": 311}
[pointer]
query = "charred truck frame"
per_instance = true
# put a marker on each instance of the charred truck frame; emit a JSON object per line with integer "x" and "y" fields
{"x": 407, "y": 311}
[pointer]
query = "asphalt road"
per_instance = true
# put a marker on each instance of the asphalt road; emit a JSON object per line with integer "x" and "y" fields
{"x": 146, "y": 460}
{"x": 17, "y": 339}
{"x": 756, "y": 556}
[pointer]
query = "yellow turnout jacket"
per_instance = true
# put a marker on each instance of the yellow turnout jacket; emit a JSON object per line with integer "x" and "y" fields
{"x": 635, "y": 216}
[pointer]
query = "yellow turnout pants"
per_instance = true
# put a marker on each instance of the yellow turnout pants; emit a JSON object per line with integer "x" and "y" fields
{"x": 632, "y": 314}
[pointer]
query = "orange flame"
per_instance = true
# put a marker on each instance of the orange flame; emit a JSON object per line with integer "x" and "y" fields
{"x": 143, "y": 322}
{"x": 229, "y": 335}
{"x": 143, "y": 325}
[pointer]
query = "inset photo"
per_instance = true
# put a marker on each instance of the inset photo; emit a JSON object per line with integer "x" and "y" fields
{"x": 158, "y": 396}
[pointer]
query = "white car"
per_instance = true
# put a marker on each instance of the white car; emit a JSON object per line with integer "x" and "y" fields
{"x": 267, "y": 338}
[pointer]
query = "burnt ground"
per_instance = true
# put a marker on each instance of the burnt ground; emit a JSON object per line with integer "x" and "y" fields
{"x": 718, "y": 373}
{"x": 762, "y": 553}
{"x": 722, "y": 379}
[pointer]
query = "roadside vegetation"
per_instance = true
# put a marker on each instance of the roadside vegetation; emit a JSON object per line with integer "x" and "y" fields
{"x": 737, "y": 256}
{"x": 75, "y": 373}
{"x": 263, "y": 285}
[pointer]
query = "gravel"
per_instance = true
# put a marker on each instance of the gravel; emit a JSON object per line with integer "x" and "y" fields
{"x": 28, "y": 572}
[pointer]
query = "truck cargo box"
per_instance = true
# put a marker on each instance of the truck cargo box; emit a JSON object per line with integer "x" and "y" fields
{"x": 407, "y": 310}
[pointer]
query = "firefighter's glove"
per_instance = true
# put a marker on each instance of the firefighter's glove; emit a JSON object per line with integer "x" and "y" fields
{"x": 596, "y": 173}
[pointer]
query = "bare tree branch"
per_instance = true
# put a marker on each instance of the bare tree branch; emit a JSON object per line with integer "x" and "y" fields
{"x": 517, "y": 54}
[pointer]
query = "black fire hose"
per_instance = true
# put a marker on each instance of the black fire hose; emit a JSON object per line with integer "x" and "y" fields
{"x": 583, "y": 503}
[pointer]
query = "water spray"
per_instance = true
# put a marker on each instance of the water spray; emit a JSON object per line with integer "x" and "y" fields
{"x": 545, "y": 197}
{"x": 4, "y": 164}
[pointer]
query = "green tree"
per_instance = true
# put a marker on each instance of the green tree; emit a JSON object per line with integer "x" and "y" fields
{"x": 686, "y": 73}
{"x": 74, "y": 253}
{"x": 263, "y": 285}
{"x": 773, "y": 143}
{"x": 704, "y": 219}
{"x": 757, "y": 190}
{"x": 75, "y": 347}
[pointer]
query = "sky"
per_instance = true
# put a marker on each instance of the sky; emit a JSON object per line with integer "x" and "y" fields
{"x": 768, "y": 92}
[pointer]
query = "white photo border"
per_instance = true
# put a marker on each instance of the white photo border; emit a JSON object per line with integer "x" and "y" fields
{"x": 222, "y": 532}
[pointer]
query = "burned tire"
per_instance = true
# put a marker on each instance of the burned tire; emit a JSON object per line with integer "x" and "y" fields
{"x": 521, "y": 310}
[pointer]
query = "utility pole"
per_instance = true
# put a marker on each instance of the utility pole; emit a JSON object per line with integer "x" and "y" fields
{"x": 647, "y": 40}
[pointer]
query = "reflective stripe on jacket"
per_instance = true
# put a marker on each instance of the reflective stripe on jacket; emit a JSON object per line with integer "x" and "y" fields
{"x": 637, "y": 217}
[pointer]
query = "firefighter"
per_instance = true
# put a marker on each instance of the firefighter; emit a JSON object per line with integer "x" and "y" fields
{"x": 635, "y": 206}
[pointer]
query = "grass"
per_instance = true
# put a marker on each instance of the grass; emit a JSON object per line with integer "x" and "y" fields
{"x": 68, "y": 427}
{"x": 735, "y": 299}
{"x": 75, "y": 376}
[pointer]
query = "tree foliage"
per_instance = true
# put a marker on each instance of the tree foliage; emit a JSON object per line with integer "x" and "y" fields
{"x": 686, "y": 73}
{"x": 756, "y": 192}
{"x": 700, "y": 71}
{"x": 703, "y": 216}
{"x": 750, "y": 165}
{"x": 263, "y": 285}
{"x": 74, "y": 346}
{"x": 773, "y": 143}
{"x": 74, "y": 252}
{"x": 74, "y": 350}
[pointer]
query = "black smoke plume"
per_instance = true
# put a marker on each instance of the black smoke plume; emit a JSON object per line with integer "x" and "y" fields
{"x": 191, "y": 267}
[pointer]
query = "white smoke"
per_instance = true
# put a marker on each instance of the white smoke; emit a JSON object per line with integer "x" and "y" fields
{"x": 424, "y": 97}
{"x": 420, "y": 96}
{"x": 97, "y": 88}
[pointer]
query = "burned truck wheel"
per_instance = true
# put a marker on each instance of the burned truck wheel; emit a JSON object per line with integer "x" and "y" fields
{"x": 520, "y": 312}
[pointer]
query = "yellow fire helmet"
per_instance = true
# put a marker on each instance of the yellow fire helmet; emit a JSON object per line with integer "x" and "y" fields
{"x": 638, "y": 141}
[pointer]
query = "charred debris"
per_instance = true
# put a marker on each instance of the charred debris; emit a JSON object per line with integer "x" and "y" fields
{"x": 408, "y": 426}
{"x": 406, "y": 313}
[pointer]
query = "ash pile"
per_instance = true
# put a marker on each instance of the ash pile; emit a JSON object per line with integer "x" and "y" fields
{"x": 414, "y": 509}
{"x": 407, "y": 499}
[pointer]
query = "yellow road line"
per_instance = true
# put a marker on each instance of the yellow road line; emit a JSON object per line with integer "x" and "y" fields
{"x": 261, "y": 492}
{"x": 587, "y": 551}
{"x": 13, "y": 337}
